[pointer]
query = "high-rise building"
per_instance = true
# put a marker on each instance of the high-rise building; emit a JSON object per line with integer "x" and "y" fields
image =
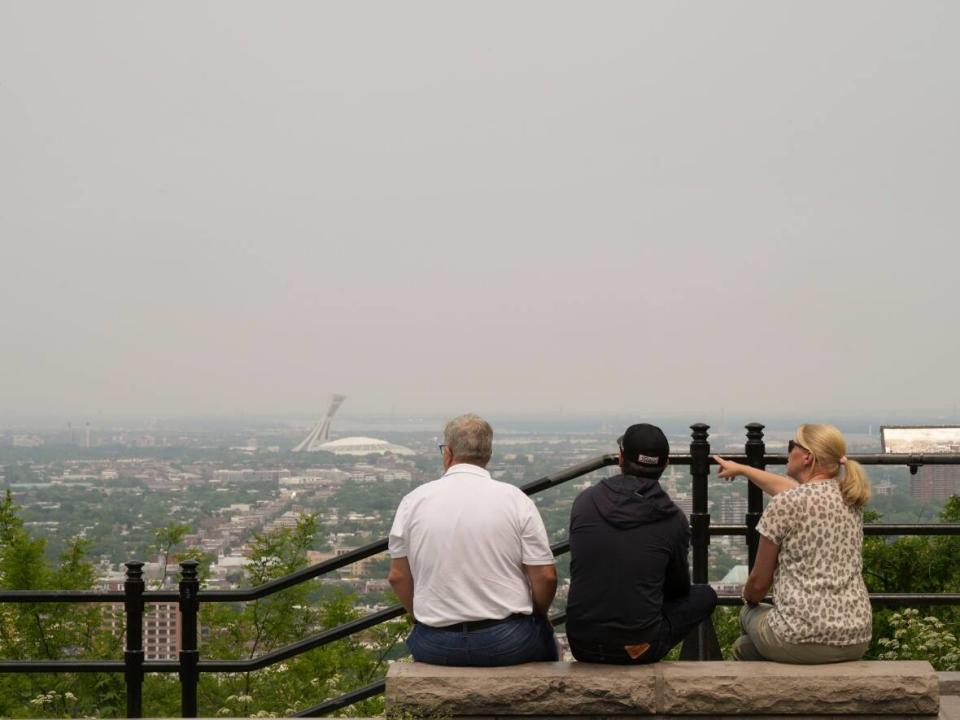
{"x": 733, "y": 510}
{"x": 161, "y": 624}
{"x": 161, "y": 631}
{"x": 883, "y": 489}
{"x": 935, "y": 481}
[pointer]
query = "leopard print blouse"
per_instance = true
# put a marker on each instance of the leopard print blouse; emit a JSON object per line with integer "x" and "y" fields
{"x": 818, "y": 590}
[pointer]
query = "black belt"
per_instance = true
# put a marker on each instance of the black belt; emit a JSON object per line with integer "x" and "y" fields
{"x": 477, "y": 624}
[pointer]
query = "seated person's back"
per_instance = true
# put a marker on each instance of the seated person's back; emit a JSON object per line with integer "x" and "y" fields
{"x": 629, "y": 542}
{"x": 630, "y": 595}
{"x": 464, "y": 535}
{"x": 471, "y": 561}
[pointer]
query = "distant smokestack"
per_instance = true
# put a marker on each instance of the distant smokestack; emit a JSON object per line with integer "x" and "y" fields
{"x": 87, "y": 441}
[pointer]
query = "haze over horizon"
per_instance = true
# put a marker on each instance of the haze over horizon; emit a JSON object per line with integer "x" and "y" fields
{"x": 547, "y": 208}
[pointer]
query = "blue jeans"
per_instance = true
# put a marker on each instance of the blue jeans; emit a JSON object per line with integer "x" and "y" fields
{"x": 515, "y": 640}
{"x": 678, "y": 619}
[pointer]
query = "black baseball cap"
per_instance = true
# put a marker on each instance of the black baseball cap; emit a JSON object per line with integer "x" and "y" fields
{"x": 645, "y": 445}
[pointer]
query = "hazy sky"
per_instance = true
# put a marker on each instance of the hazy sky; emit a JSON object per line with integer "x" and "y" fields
{"x": 226, "y": 207}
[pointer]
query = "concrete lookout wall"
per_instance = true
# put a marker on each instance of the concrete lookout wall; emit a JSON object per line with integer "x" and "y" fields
{"x": 905, "y": 689}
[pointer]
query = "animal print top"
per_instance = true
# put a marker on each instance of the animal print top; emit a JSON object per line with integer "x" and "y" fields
{"x": 818, "y": 590}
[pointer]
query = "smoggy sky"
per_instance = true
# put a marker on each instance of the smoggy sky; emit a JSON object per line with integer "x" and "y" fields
{"x": 222, "y": 207}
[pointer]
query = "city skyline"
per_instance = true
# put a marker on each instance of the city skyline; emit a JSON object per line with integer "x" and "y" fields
{"x": 301, "y": 424}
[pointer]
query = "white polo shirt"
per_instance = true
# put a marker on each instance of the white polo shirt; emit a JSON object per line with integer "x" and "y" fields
{"x": 466, "y": 537}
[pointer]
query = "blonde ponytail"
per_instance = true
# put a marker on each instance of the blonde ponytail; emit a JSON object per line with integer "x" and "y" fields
{"x": 854, "y": 485}
{"x": 829, "y": 450}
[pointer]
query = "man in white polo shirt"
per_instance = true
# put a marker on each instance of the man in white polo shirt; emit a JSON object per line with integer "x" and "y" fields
{"x": 470, "y": 561}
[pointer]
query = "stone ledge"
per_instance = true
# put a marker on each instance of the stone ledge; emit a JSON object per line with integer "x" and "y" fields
{"x": 532, "y": 689}
{"x": 765, "y": 688}
{"x": 949, "y": 707}
{"x": 949, "y": 683}
{"x": 667, "y": 689}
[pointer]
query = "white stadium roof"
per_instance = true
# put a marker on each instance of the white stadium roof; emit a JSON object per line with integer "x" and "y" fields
{"x": 363, "y": 446}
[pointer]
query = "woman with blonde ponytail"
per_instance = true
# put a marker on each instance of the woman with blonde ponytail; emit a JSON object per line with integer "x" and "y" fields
{"x": 811, "y": 551}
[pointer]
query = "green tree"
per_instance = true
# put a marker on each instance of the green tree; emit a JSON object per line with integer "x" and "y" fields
{"x": 40, "y": 631}
{"x": 248, "y": 630}
{"x": 51, "y": 631}
{"x": 915, "y": 563}
{"x": 165, "y": 539}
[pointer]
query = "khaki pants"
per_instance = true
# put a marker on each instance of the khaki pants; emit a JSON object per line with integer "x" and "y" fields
{"x": 759, "y": 643}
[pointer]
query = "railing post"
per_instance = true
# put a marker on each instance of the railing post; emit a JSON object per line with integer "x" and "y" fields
{"x": 700, "y": 518}
{"x": 702, "y": 643}
{"x": 133, "y": 652}
{"x": 755, "y": 449}
{"x": 189, "y": 654}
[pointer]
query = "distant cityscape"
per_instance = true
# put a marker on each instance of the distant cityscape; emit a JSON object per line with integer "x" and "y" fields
{"x": 116, "y": 487}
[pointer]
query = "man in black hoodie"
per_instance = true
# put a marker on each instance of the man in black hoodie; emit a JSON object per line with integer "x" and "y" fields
{"x": 630, "y": 596}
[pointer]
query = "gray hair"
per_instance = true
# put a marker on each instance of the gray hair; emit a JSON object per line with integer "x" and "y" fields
{"x": 470, "y": 439}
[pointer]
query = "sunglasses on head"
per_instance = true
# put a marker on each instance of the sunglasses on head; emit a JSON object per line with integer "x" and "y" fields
{"x": 794, "y": 444}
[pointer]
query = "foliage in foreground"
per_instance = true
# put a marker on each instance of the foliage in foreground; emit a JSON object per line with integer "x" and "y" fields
{"x": 35, "y": 631}
{"x": 917, "y": 637}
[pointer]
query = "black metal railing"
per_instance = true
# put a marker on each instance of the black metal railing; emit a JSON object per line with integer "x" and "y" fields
{"x": 700, "y": 645}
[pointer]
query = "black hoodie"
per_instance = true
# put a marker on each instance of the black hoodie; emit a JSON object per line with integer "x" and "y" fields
{"x": 628, "y": 552}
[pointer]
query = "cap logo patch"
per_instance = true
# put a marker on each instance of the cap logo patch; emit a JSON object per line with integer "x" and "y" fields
{"x": 647, "y": 459}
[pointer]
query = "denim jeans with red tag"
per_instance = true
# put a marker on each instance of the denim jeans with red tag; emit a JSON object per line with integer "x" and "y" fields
{"x": 679, "y": 618}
